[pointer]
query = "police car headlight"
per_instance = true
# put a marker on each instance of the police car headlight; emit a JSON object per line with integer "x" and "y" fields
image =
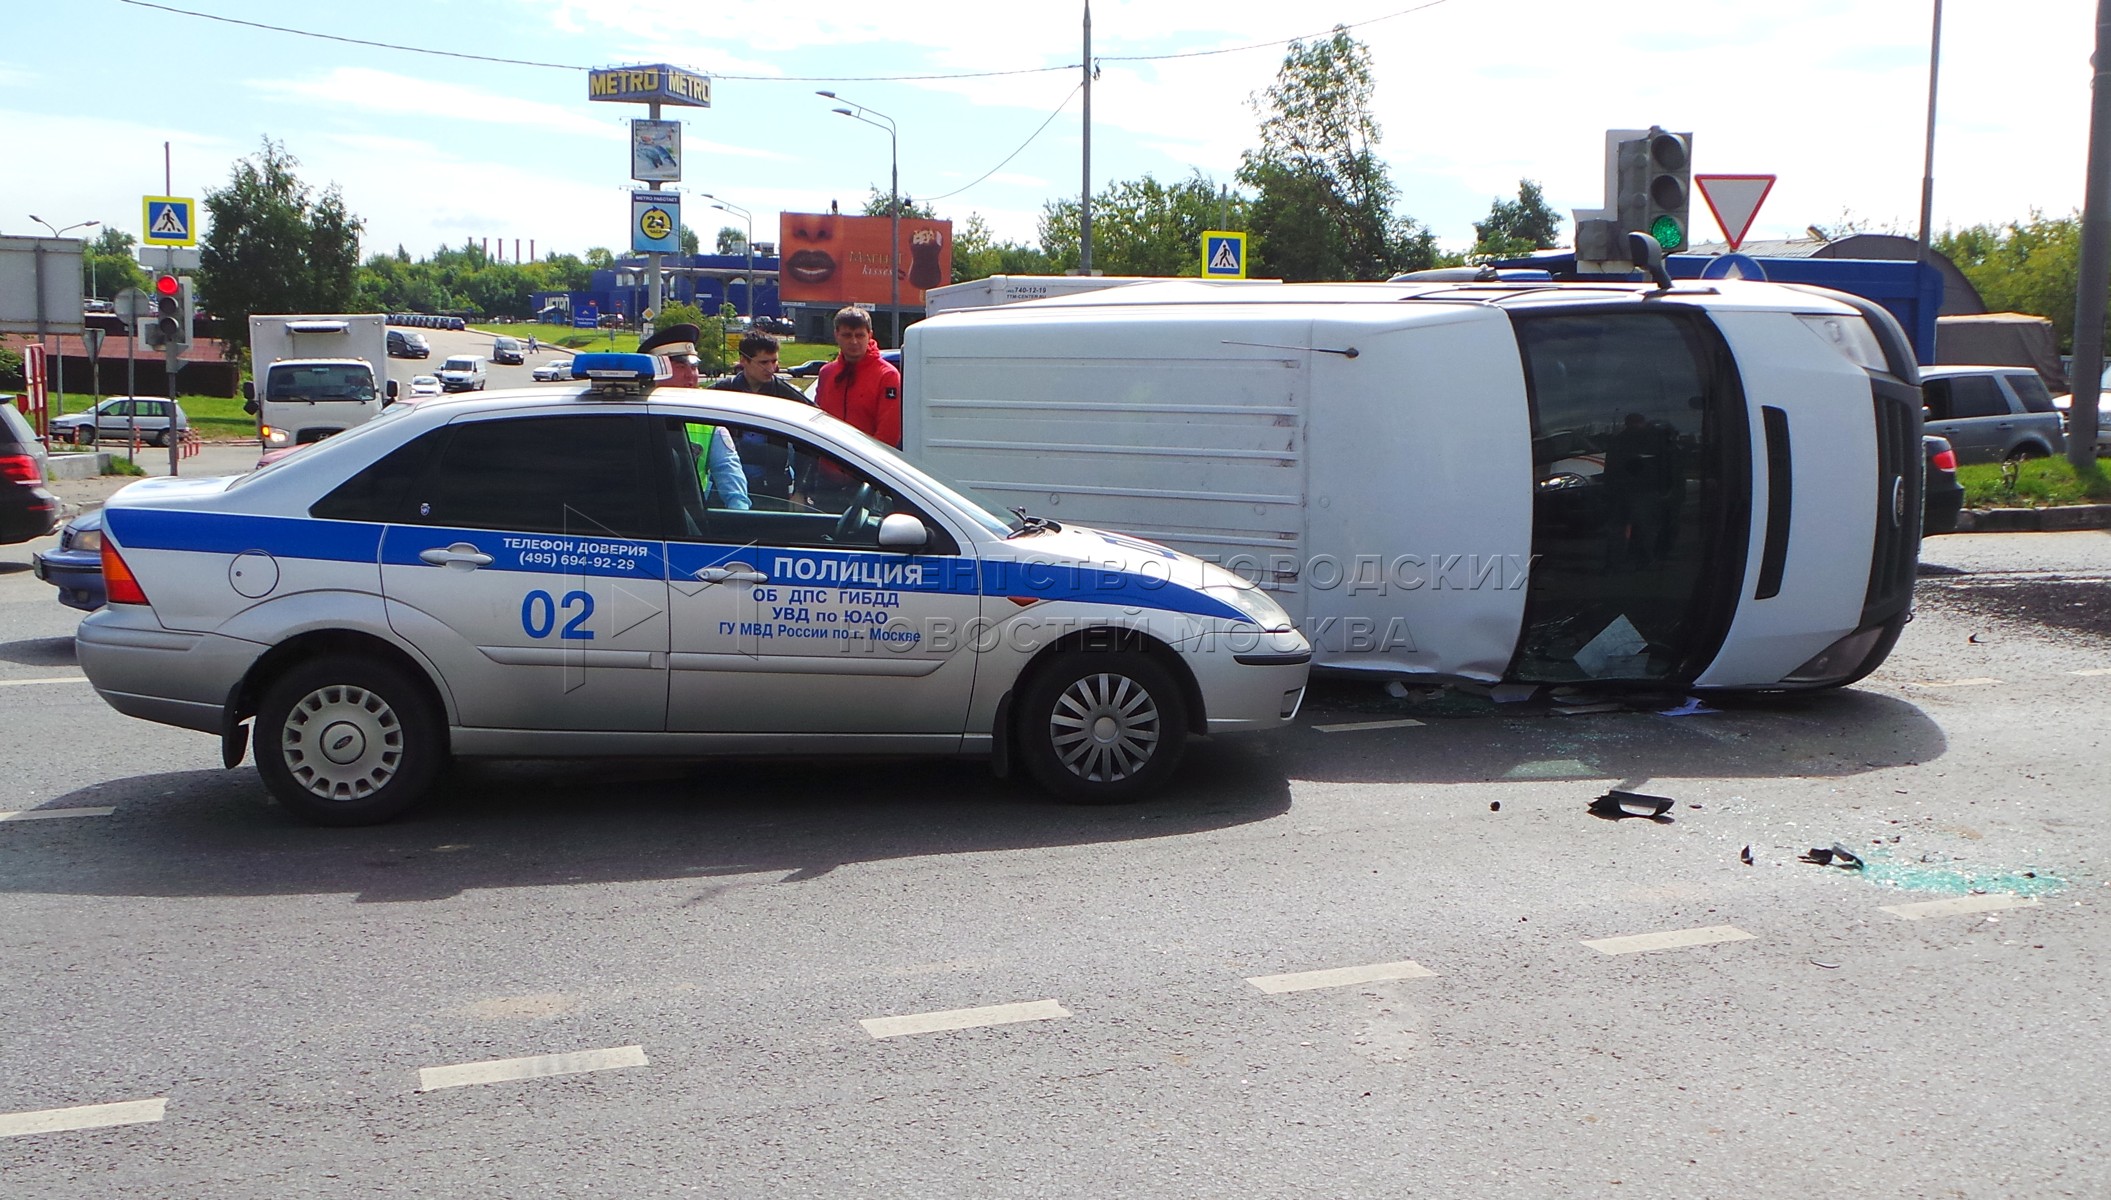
{"x": 1253, "y": 604}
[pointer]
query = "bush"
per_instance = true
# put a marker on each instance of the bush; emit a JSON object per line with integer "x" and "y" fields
{"x": 11, "y": 369}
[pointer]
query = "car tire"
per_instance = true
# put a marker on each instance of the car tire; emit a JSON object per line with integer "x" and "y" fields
{"x": 159, "y": 439}
{"x": 84, "y": 435}
{"x": 1102, "y": 727}
{"x": 2027, "y": 451}
{"x": 388, "y": 742}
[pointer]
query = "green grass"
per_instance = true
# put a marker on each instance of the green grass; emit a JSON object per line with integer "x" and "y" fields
{"x": 114, "y": 465}
{"x": 564, "y": 336}
{"x": 2035, "y": 483}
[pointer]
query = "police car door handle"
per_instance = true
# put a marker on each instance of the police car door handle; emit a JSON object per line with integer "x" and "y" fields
{"x": 733, "y": 574}
{"x": 460, "y": 554}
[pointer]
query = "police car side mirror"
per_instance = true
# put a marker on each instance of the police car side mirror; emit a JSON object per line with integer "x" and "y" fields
{"x": 901, "y": 531}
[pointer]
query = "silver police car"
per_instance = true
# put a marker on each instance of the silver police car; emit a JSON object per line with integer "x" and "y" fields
{"x": 616, "y": 568}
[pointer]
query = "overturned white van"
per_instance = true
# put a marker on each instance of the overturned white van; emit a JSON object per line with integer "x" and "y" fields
{"x": 1716, "y": 485}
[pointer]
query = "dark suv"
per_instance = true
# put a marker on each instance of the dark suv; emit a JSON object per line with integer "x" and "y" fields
{"x": 27, "y": 509}
{"x": 402, "y": 343}
{"x": 1991, "y": 413}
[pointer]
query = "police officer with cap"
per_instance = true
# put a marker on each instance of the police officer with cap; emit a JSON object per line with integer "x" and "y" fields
{"x": 677, "y": 344}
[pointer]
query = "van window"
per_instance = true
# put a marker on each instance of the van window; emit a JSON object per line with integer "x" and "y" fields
{"x": 1641, "y": 493}
{"x": 459, "y": 364}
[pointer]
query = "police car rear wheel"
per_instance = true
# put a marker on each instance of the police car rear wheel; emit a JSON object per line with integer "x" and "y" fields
{"x": 1103, "y": 727}
{"x": 342, "y": 741}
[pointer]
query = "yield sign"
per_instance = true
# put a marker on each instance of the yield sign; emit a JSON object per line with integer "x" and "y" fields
{"x": 1735, "y": 200}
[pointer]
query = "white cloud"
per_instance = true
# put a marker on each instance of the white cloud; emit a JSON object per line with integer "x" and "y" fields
{"x": 368, "y": 90}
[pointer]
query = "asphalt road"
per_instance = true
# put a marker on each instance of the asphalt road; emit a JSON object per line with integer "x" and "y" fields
{"x": 720, "y": 979}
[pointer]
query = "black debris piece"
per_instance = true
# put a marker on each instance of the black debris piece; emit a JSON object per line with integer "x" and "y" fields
{"x": 1837, "y": 856}
{"x": 1495, "y": 806}
{"x": 1746, "y": 856}
{"x": 1616, "y": 804}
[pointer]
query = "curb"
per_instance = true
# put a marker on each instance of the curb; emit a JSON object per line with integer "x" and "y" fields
{"x": 2061, "y": 519}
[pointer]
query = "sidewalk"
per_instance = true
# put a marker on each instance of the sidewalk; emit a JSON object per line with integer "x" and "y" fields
{"x": 215, "y": 458}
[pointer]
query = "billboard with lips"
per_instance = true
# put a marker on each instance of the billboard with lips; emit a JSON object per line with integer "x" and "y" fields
{"x": 833, "y": 259}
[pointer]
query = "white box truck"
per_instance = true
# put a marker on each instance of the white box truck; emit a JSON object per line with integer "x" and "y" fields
{"x": 315, "y": 376}
{"x": 1715, "y": 485}
{"x": 1017, "y": 289}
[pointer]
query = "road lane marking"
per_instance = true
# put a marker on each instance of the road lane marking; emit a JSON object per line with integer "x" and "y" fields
{"x": 539, "y": 1066}
{"x": 1990, "y": 902}
{"x": 86, "y": 1116}
{"x": 2095, "y": 671}
{"x": 1978, "y": 681}
{"x": 1357, "y": 726}
{"x": 1670, "y": 939}
{"x": 963, "y": 1018}
{"x": 53, "y": 679}
{"x": 1305, "y": 981}
{"x": 54, "y": 814}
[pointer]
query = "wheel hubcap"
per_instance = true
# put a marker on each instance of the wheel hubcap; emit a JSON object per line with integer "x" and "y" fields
{"x": 1105, "y": 728}
{"x": 342, "y": 742}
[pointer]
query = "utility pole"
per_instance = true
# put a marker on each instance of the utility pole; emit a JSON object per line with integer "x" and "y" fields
{"x": 1927, "y": 176}
{"x": 1084, "y": 208}
{"x": 2095, "y": 267}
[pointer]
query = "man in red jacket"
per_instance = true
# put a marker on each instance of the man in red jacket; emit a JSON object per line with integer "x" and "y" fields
{"x": 859, "y": 386}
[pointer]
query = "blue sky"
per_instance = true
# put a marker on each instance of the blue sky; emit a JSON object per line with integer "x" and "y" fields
{"x": 1830, "y": 95}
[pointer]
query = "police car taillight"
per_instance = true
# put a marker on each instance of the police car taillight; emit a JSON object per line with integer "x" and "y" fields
{"x": 118, "y": 582}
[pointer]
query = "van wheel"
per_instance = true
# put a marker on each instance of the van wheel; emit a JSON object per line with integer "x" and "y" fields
{"x": 1102, "y": 727}
{"x": 348, "y": 741}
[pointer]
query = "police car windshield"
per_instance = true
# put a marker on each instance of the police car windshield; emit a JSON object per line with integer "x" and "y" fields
{"x": 960, "y": 496}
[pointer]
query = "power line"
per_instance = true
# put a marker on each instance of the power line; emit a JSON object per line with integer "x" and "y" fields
{"x": 554, "y": 66}
{"x": 1014, "y": 154}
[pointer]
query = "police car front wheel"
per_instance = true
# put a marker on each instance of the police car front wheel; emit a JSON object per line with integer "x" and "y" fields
{"x": 342, "y": 741}
{"x": 1103, "y": 727}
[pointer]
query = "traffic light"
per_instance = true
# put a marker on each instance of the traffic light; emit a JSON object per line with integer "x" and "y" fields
{"x": 1656, "y": 186}
{"x": 169, "y": 328}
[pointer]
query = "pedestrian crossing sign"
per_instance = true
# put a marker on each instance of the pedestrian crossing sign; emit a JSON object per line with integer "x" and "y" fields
{"x": 1223, "y": 255}
{"x": 170, "y": 221}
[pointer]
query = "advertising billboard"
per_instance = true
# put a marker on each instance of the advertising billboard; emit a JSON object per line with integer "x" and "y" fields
{"x": 656, "y": 151}
{"x": 655, "y": 222}
{"x": 832, "y": 259}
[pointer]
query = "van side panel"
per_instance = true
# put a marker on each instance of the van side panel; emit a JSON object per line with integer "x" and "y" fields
{"x": 1151, "y": 426}
{"x": 1420, "y": 521}
{"x": 1832, "y": 455}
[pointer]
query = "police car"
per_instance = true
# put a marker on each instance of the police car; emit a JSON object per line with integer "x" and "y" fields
{"x": 615, "y": 568}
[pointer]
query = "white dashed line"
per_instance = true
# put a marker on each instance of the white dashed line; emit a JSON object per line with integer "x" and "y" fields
{"x": 1671, "y": 939}
{"x": 54, "y": 814}
{"x": 53, "y": 679}
{"x": 963, "y": 1018}
{"x": 1963, "y": 904}
{"x": 1976, "y": 682}
{"x": 1305, "y": 981}
{"x": 541, "y": 1066}
{"x": 86, "y": 1116}
{"x": 1357, "y": 726}
{"x": 2095, "y": 671}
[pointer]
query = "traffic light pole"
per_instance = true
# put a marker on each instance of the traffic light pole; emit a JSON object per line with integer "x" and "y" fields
{"x": 172, "y": 359}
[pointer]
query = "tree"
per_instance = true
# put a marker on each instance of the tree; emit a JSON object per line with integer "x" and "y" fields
{"x": 273, "y": 247}
{"x": 2031, "y": 266}
{"x": 876, "y": 206}
{"x": 113, "y": 267}
{"x": 732, "y": 240}
{"x": 690, "y": 243}
{"x": 1323, "y": 207}
{"x": 977, "y": 254}
{"x": 599, "y": 258}
{"x": 1142, "y": 226}
{"x": 1516, "y": 227}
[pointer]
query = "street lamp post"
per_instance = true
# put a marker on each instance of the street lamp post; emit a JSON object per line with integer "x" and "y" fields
{"x": 749, "y": 217}
{"x": 859, "y": 112}
{"x": 59, "y": 232}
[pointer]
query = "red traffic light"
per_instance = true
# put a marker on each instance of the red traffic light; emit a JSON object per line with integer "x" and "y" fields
{"x": 167, "y": 285}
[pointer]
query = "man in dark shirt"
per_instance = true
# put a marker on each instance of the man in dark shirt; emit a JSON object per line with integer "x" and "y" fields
{"x": 758, "y": 371}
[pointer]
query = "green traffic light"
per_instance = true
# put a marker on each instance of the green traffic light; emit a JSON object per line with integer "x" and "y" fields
{"x": 1666, "y": 231}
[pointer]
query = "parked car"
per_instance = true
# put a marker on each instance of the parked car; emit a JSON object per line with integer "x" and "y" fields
{"x": 776, "y": 325}
{"x": 27, "y": 508}
{"x": 509, "y": 352}
{"x": 75, "y": 567}
{"x": 463, "y": 373}
{"x": 425, "y": 385}
{"x": 115, "y": 419}
{"x": 555, "y": 369}
{"x": 1942, "y": 496}
{"x": 2103, "y": 414}
{"x": 810, "y": 369}
{"x": 1991, "y": 413}
{"x": 403, "y": 343}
